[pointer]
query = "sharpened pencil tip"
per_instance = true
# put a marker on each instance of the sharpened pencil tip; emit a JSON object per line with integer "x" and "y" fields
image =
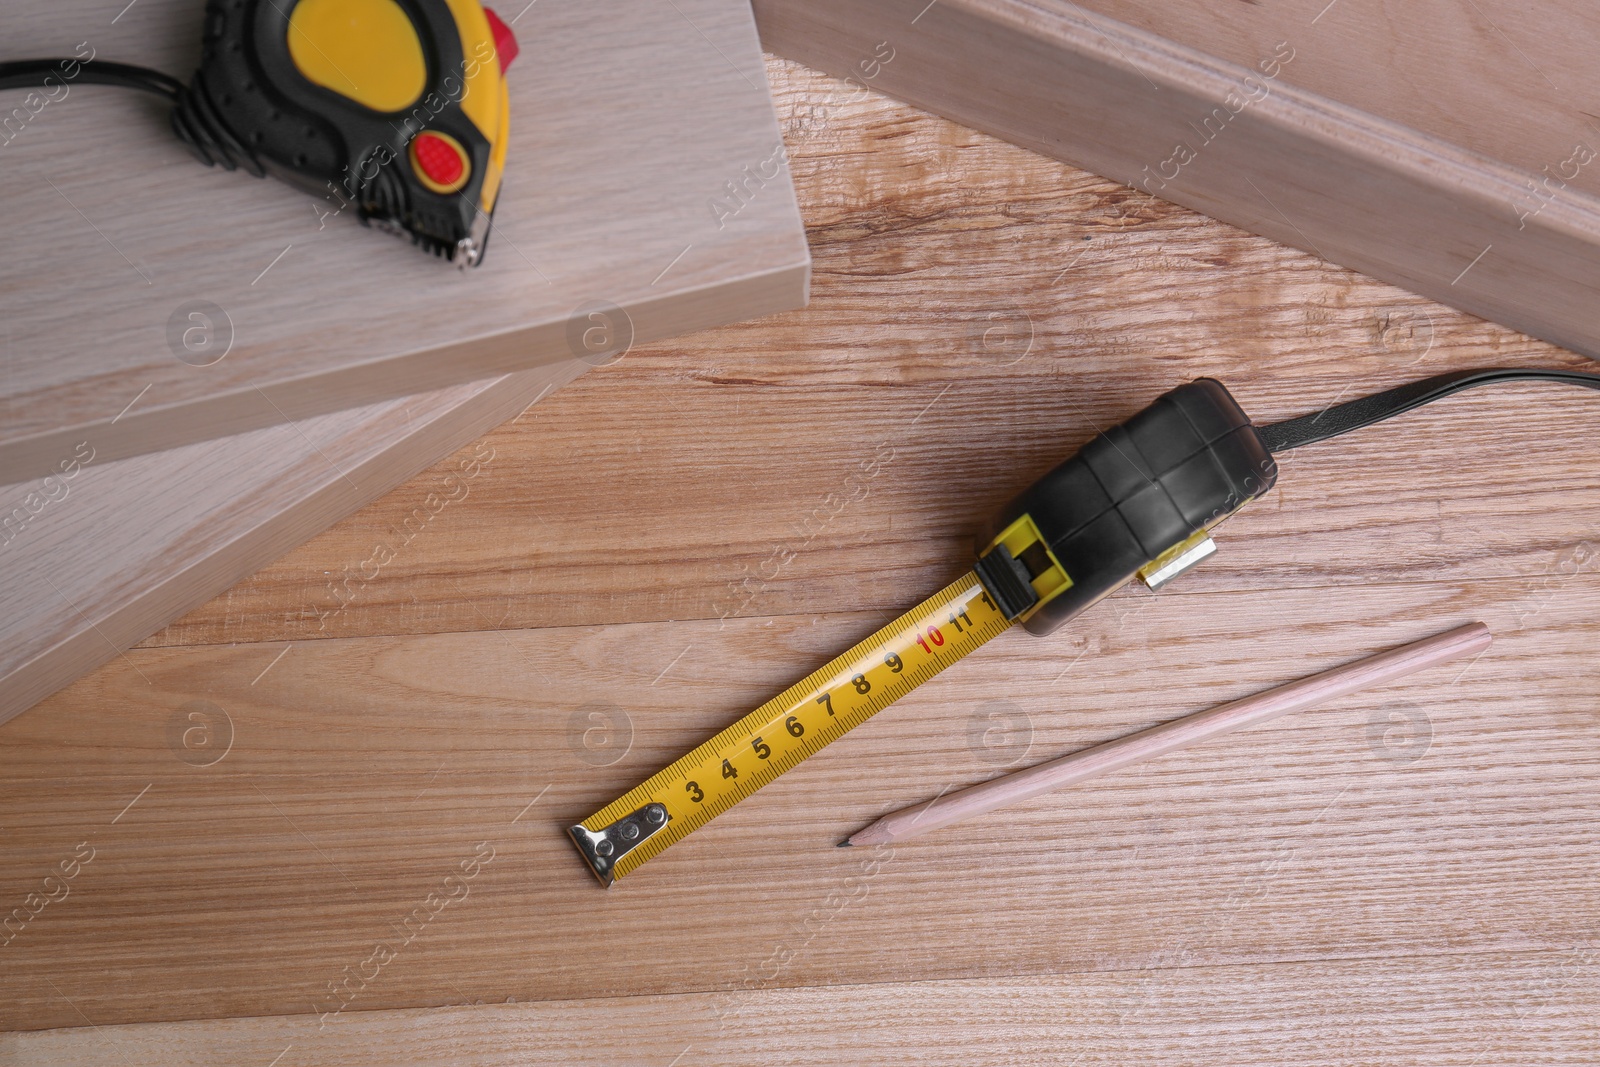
{"x": 843, "y": 844}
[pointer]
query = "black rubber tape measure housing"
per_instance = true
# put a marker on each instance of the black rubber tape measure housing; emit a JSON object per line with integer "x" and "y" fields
{"x": 1139, "y": 489}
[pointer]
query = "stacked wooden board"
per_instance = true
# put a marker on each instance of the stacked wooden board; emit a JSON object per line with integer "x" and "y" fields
{"x": 1339, "y": 128}
{"x": 152, "y": 302}
{"x": 648, "y": 196}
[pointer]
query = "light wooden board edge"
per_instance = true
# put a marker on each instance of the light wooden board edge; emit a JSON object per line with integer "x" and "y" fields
{"x": 176, "y": 582}
{"x": 1294, "y": 166}
{"x": 522, "y": 351}
{"x": 1455, "y": 1009}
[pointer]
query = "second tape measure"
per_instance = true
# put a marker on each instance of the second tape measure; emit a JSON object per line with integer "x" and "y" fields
{"x": 397, "y": 109}
{"x": 1137, "y": 501}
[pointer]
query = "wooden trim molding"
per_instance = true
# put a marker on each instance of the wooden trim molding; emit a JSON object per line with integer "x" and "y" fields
{"x": 1239, "y": 141}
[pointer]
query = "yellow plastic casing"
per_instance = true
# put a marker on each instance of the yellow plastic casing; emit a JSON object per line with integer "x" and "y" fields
{"x": 367, "y": 50}
{"x": 485, "y": 98}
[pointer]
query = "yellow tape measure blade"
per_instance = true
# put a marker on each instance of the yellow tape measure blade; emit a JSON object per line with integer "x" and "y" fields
{"x": 795, "y": 724}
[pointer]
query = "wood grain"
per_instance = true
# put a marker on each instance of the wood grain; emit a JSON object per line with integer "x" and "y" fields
{"x": 104, "y": 552}
{"x": 1508, "y": 81}
{"x": 1433, "y": 1011}
{"x": 609, "y": 197}
{"x": 1385, "y": 668}
{"x": 1213, "y": 117}
{"x": 1401, "y": 876}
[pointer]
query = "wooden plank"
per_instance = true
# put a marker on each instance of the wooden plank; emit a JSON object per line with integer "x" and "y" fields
{"x": 1488, "y": 78}
{"x": 247, "y": 876}
{"x": 1437, "y": 1011}
{"x": 1237, "y": 136}
{"x": 99, "y": 555}
{"x": 958, "y": 278}
{"x": 610, "y": 196}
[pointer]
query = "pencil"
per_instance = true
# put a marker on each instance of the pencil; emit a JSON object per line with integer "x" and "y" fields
{"x": 1169, "y": 737}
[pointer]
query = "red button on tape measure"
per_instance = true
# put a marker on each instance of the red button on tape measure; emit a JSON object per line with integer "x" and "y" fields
{"x": 439, "y": 160}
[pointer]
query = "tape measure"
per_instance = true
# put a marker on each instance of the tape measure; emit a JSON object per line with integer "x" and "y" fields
{"x": 1138, "y": 498}
{"x": 397, "y": 109}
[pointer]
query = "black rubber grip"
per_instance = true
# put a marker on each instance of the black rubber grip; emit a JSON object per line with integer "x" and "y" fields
{"x": 1185, "y": 462}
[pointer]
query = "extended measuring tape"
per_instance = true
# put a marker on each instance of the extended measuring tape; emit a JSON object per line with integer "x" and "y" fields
{"x": 1137, "y": 501}
{"x": 796, "y": 723}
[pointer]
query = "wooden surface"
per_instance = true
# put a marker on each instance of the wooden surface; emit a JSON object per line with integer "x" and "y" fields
{"x": 104, "y": 552}
{"x": 1080, "y": 765}
{"x": 1432, "y": 145}
{"x": 1513, "y": 82}
{"x": 1402, "y": 876}
{"x": 617, "y": 157}
{"x": 1431, "y": 1011}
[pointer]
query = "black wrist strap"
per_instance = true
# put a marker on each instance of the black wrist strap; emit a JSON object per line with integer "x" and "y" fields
{"x": 1354, "y": 414}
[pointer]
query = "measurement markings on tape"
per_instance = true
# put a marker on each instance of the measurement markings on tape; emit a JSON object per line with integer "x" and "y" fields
{"x": 787, "y": 729}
